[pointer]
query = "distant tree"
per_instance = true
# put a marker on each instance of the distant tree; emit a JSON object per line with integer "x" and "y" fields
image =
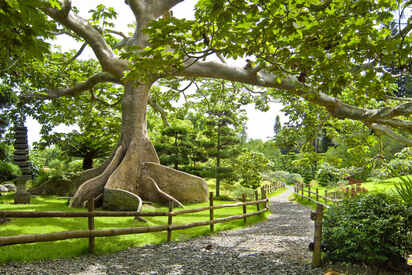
{"x": 96, "y": 139}
{"x": 174, "y": 145}
{"x": 278, "y": 126}
{"x": 250, "y": 166}
{"x": 223, "y": 123}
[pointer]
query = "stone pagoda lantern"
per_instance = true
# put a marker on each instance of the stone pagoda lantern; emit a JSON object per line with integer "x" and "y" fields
{"x": 21, "y": 159}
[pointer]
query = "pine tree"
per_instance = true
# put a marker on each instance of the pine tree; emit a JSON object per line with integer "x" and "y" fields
{"x": 277, "y": 127}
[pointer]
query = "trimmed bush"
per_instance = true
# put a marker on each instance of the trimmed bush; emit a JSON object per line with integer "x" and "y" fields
{"x": 371, "y": 229}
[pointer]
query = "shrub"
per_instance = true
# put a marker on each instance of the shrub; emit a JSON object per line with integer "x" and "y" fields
{"x": 8, "y": 171}
{"x": 371, "y": 229}
{"x": 404, "y": 189}
{"x": 280, "y": 175}
{"x": 57, "y": 170}
{"x": 294, "y": 178}
{"x": 328, "y": 175}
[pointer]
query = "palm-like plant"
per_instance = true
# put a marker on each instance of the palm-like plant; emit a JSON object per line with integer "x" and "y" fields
{"x": 404, "y": 189}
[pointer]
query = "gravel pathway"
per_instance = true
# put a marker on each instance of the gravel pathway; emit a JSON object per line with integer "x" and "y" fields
{"x": 276, "y": 246}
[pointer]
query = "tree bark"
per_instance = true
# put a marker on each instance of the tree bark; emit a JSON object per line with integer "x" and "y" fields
{"x": 128, "y": 170}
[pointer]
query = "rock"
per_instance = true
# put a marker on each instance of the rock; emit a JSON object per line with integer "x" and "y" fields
{"x": 182, "y": 186}
{"x": 10, "y": 186}
{"x": 3, "y": 189}
{"x": 54, "y": 187}
{"x": 120, "y": 200}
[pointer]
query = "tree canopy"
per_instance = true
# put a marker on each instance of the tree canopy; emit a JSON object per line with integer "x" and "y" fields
{"x": 331, "y": 54}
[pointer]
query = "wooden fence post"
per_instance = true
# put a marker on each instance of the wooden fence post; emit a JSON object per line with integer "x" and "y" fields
{"x": 316, "y": 259}
{"x": 326, "y": 196}
{"x": 212, "y": 225}
{"x": 317, "y": 194}
{"x": 244, "y": 208}
{"x": 309, "y": 191}
{"x": 303, "y": 189}
{"x": 169, "y": 221}
{"x": 257, "y": 198}
{"x": 91, "y": 224}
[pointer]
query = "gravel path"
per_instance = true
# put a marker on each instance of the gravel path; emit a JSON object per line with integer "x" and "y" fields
{"x": 276, "y": 246}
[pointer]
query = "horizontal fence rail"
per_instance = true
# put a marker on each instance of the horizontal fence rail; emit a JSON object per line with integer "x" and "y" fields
{"x": 91, "y": 233}
{"x": 305, "y": 191}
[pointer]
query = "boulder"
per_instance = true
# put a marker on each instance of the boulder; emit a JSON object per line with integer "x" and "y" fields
{"x": 10, "y": 187}
{"x": 54, "y": 187}
{"x": 182, "y": 186}
{"x": 120, "y": 200}
{"x": 3, "y": 189}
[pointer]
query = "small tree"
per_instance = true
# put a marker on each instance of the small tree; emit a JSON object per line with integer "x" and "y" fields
{"x": 277, "y": 127}
{"x": 250, "y": 166}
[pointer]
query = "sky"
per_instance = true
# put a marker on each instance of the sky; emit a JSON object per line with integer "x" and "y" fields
{"x": 259, "y": 125}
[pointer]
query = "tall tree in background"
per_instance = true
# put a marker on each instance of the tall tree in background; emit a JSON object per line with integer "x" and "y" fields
{"x": 330, "y": 54}
{"x": 277, "y": 127}
{"x": 224, "y": 121}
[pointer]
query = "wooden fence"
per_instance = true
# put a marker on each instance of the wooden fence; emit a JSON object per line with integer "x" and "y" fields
{"x": 91, "y": 233}
{"x": 273, "y": 187}
{"x": 305, "y": 191}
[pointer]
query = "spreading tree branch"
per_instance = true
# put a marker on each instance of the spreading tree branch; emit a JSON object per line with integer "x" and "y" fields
{"x": 83, "y": 86}
{"x": 79, "y": 52}
{"x": 337, "y": 108}
{"x": 384, "y": 130}
{"x": 90, "y": 34}
{"x": 160, "y": 110}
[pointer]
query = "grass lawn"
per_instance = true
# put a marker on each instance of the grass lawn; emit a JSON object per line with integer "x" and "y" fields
{"x": 384, "y": 186}
{"x": 76, "y": 247}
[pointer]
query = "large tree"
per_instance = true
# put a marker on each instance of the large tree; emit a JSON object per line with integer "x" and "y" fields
{"x": 329, "y": 53}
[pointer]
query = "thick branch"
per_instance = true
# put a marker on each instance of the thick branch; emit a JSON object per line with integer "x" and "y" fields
{"x": 382, "y": 129}
{"x": 84, "y": 86}
{"x": 160, "y": 110}
{"x": 92, "y": 36}
{"x": 289, "y": 83}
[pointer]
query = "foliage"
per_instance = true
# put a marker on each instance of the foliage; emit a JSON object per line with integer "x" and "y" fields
{"x": 250, "y": 166}
{"x": 8, "y": 171}
{"x": 329, "y": 175}
{"x": 57, "y": 170}
{"x": 371, "y": 229}
{"x": 294, "y": 178}
{"x": 219, "y": 102}
{"x": 97, "y": 136}
{"x": 404, "y": 189}
{"x": 23, "y": 31}
{"x": 280, "y": 175}
{"x": 400, "y": 165}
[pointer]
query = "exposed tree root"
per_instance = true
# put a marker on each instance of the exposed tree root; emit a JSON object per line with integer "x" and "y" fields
{"x": 162, "y": 193}
{"x": 139, "y": 209}
{"x": 95, "y": 186}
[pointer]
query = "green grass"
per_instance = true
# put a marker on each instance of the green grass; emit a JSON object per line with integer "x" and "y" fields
{"x": 384, "y": 186}
{"x": 76, "y": 247}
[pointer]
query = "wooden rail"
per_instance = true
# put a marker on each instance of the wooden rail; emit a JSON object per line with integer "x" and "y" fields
{"x": 92, "y": 233}
{"x": 304, "y": 191}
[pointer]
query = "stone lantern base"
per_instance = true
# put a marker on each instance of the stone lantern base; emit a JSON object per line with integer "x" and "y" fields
{"x": 22, "y": 196}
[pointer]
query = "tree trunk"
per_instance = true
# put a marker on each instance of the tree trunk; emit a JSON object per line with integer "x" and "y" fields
{"x": 87, "y": 162}
{"x": 135, "y": 167}
{"x": 218, "y": 163}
